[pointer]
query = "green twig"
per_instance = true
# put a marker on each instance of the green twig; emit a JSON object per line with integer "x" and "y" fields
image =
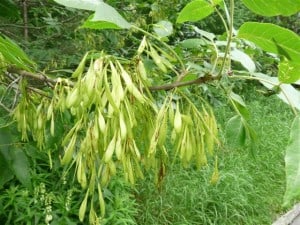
{"x": 229, "y": 36}
{"x": 223, "y": 20}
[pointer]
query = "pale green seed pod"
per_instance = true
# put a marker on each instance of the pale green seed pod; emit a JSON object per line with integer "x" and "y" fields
{"x": 163, "y": 131}
{"x": 112, "y": 168}
{"x": 105, "y": 176}
{"x": 81, "y": 175}
{"x": 50, "y": 111}
{"x": 142, "y": 70}
{"x": 69, "y": 151}
{"x": 123, "y": 128}
{"x": 130, "y": 171}
{"x": 93, "y": 215}
{"x": 109, "y": 150}
{"x": 101, "y": 201}
{"x": 142, "y": 46}
{"x": 40, "y": 122}
{"x": 101, "y": 122}
{"x": 73, "y": 98}
{"x": 80, "y": 67}
{"x": 215, "y": 176}
{"x": 82, "y": 208}
{"x": 157, "y": 59}
{"x": 52, "y": 125}
{"x": 119, "y": 151}
{"x": 90, "y": 80}
{"x": 177, "y": 120}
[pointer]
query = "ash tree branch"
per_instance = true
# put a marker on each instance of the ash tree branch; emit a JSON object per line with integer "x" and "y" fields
{"x": 164, "y": 87}
{"x": 40, "y": 77}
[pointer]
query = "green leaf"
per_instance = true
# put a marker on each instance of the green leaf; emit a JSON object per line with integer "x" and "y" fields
{"x": 5, "y": 138}
{"x": 292, "y": 166}
{"x": 13, "y": 54}
{"x": 98, "y": 25}
{"x": 163, "y": 28}
{"x": 239, "y": 105}
{"x": 272, "y": 38}
{"x": 203, "y": 33}
{"x": 193, "y": 43}
{"x": 105, "y": 15}
{"x": 237, "y": 98}
{"x": 9, "y": 9}
{"x": 287, "y": 93}
{"x": 235, "y": 131}
{"x": 105, "y": 12}
{"x": 189, "y": 77}
{"x": 273, "y": 7}
{"x": 12, "y": 160}
{"x": 243, "y": 58}
{"x": 5, "y": 172}
{"x": 80, "y": 4}
{"x": 195, "y": 10}
{"x": 288, "y": 71}
{"x": 20, "y": 166}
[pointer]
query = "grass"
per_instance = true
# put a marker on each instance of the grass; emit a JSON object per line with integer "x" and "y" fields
{"x": 249, "y": 191}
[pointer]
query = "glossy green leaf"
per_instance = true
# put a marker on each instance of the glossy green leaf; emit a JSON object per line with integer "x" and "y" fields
{"x": 105, "y": 12}
{"x": 5, "y": 138}
{"x": 189, "y": 77}
{"x": 237, "y": 98}
{"x": 105, "y": 15}
{"x": 239, "y": 105}
{"x": 14, "y": 159}
{"x": 194, "y": 11}
{"x": 273, "y": 7}
{"x": 289, "y": 94}
{"x": 80, "y": 4}
{"x": 289, "y": 71}
{"x": 193, "y": 43}
{"x": 272, "y": 38}
{"x": 203, "y": 33}
{"x": 292, "y": 166}
{"x": 98, "y": 25}
{"x": 13, "y": 54}
{"x": 243, "y": 58}
{"x": 20, "y": 166}
{"x": 5, "y": 172}
{"x": 196, "y": 68}
{"x": 235, "y": 131}
{"x": 163, "y": 28}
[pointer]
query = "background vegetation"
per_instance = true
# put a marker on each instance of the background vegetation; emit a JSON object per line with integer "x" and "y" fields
{"x": 252, "y": 179}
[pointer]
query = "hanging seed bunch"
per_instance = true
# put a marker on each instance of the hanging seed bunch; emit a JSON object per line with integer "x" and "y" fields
{"x": 116, "y": 123}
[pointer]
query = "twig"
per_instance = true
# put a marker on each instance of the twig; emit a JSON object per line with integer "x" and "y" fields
{"x": 25, "y": 19}
{"x": 41, "y": 77}
{"x": 4, "y": 107}
{"x": 167, "y": 87}
{"x": 229, "y": 36}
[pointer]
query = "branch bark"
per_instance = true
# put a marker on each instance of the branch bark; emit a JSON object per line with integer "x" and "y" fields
{"x": 40, "y": 77}
{"x": 25, "y": 18}
{"x": 165, "y": 87}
